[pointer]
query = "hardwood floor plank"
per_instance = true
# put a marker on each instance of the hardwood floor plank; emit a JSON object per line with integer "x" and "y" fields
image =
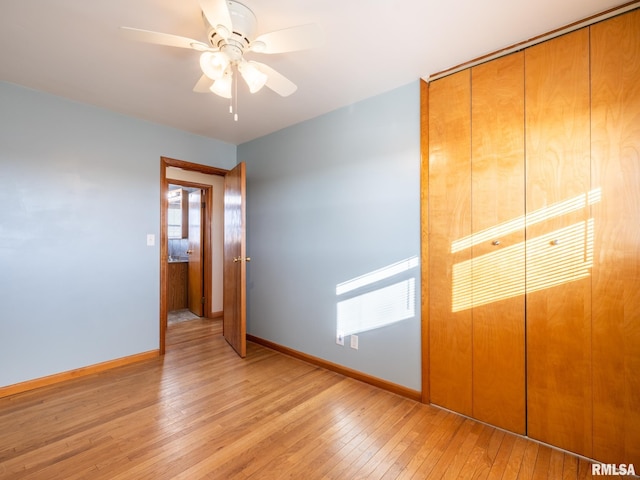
{"x": 569, "y": 467}
{"x": 541, "y": 468}
{"x": 528, "y": 461}
{"x": 499, "y": 464}
{"x": 315, "y": 449}
{"x": 481, "y": 458}
{"x": 457, "y": 451}
{"x": 202, "y": 412}
{"x": 380, "y": 461}
{"x": 418, "y": 437}
{"x": 515, "y": 459}
{"x": 556, "y": 463}
{"x": 354, "y": 452}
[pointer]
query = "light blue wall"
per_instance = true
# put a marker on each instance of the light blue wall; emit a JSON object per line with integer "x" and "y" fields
{"x": 79, "y": 192}
{"x": 330, "y": 200}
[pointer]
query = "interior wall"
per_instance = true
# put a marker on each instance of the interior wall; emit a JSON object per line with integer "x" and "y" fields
{"x": 333, "y": 232}
{"x": 79, "y": 190}
{"x": 217, "y": 226}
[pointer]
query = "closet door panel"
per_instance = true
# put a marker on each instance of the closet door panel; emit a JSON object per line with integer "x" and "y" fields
{"x": 449, "y": 220}
{"x": 497, "y": 242}
{"x": 559, "y": 246}
{"x": 615, "y": 87}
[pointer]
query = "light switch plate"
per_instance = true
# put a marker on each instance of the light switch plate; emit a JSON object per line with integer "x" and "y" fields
{"x": 151, "y": 239}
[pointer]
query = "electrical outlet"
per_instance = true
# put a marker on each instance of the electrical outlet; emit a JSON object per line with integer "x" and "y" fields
{"x": 340, "y": 338}
{"x": 354, "y": 341}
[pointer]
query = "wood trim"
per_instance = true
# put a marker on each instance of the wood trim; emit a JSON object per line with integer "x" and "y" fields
{"x": 76, "y": 373}
{"x": 215, "y": 314}
{"x": 424, "y": 237}
{"x": 334, "y": 367}
{"x": 164, "y": 237}
{"x": 164, "y": 253}
{"x": 208, "y": 248}
{"x": 193, "y": 167}
{"x": 598, "y": 17}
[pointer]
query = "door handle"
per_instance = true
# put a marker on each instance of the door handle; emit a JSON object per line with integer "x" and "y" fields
{"x": 189, "y": 252}
{"x": 239, "y": 259}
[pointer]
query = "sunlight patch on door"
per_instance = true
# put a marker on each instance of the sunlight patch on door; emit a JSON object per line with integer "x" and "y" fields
{"x": 561, "y": 256}
{"x": 517, "y": 224}
{"x": 526, "y": 267}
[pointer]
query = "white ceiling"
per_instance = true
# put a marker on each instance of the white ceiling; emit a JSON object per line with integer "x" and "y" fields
{"x": 73, "y": 48}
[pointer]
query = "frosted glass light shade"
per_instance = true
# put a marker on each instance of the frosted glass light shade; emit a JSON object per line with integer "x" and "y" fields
{"x": 214, "y": 64}
{"x": 222, "y": 87}
{"x": 255, "y": 78}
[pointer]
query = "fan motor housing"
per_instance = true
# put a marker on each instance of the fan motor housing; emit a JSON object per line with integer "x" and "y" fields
{"x": 244, "y": 24}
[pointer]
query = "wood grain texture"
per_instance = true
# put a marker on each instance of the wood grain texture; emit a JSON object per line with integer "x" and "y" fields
{"x": 178, "y": 279}
{"x": 497, "y": 271}
{"x": 449, "y": 219}
{"x": 615, "y": 133}
{"x": 201, "y": 412}
{"x": 559, "y": 398}
{"x": 235, "y": 269}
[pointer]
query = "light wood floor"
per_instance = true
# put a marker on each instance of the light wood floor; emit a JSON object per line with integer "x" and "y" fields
{"x": 202, "y": 412}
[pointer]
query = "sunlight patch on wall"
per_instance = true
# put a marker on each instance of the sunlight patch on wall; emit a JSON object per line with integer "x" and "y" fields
{"x": 377, "y": 309}
{"x": 377, "y": 275}
{"x": 379, "y": 298}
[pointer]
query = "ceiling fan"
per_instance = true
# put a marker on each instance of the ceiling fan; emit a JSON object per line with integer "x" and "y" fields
{"x": 231, "y": 33}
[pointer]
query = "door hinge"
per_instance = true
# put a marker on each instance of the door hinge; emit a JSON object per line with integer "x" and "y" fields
{"x": 202, "y": 300}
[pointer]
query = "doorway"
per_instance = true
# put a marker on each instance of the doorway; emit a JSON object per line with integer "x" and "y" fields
{"x": 187, "y": 251}
{"x": 203, "y": 266}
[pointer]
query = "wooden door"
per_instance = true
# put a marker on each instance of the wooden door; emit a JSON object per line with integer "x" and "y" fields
{"x": 615, "y": 133}
{"x": 449, "y": 189}
{"x": 235, "y": 259}
{"x": 497, "y": 242}
{"x": 559, "y": 246}
{"x": 195, "y": 282}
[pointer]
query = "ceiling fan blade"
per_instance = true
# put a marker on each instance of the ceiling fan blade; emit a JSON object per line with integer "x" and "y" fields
{"x": 203, "y": 85}
{"x": 276, "y": 81}
{"x": 218, "y": 16}
{"x": 292, "y": 39}
{"x": 162, "y": 38}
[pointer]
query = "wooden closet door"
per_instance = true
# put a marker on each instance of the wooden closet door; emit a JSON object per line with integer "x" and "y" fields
{"x": 449, "y": 220}
{"x": 615, "y": 133}
{"x": 559, "y": 246}
{"x": 497, "y": 242}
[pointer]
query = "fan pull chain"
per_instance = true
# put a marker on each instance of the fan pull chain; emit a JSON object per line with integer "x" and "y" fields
{"x": 235, "y": 95}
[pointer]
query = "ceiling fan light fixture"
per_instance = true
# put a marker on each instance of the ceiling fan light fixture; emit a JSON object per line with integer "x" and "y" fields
{"x": 214, "y": 64}
{"x": 222, "y": 87}
{"x": 254, "y": 78}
